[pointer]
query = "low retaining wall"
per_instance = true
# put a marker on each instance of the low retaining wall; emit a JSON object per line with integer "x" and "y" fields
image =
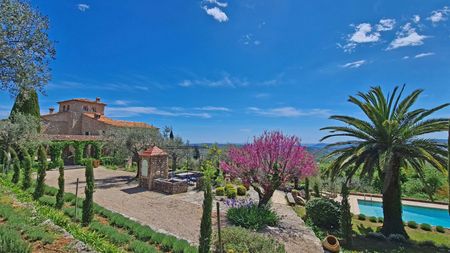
{"x": 170, "y": 186}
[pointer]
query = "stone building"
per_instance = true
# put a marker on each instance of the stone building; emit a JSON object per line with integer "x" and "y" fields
{"x": 81, "y": 116}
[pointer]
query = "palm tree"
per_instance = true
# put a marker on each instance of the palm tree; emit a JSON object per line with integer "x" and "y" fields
{"x": 390, "y": 138}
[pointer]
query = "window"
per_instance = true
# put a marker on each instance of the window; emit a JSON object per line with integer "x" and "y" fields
{"x": 68, "y": 107}
{"x": 85, "y": 108}
{"x": 144, "y": 168}
{"x": 86, "y": 133}
{"x": 64, "y": 108}
{"x": 93, "y": 109}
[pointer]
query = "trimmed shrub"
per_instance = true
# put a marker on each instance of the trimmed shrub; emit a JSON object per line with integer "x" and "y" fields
{"x": 241, "y": 190}
{"x": 361, "y": 216}
{"x": 51, "y": 191}
{"x": 373, "y": 219}
{"x": 168, "y": 242}
{"x": 236, "y": 239}
{"x": 142, "y": 247}
{"x": 143, "y": 233}
{"x": 180, "y": 246}
{"x": 380, "y": 219}
{"x": 440, "y": 229}
{"x": 324, "y": 213}
{"x": 412, "y": 224}
{"x": 111, "y": 233}
{"x": 376, "y": 236}
{"x": 425, "y": 226}
{"x": 397, "y": 238}
{"x": 229, "y": 187}
{"x": 220, "y": 191}
{"x": 252, "y": 216}
{"x": 47, "y": 200}
{"x": 27, "y": 163}
{"x": 231, "y": 193}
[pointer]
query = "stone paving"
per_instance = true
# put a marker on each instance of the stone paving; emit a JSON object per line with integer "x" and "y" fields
{"x": 177, "y": 214}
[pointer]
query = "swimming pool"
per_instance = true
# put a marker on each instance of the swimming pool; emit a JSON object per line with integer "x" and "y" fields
{"x": 432, "y": 216}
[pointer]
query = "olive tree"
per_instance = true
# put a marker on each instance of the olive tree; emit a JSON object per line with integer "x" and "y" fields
{"x": 25, "y": 47}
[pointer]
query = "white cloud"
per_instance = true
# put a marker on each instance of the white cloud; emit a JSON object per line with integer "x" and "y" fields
{"x": 262, "y": 95}
{"x": 416, "y": 19}
{"x": 288, "y": 112}
{"x": 140, "y": 110}
{"x": 121, "y": 102}
{"x": 423, "y": 55}
{"x": 407, "y": 37}
{"x": 83, "y": 7}
{"x": 385, "y": 25}
{"x": 355, "y": 64}
{"x": 439, "y": 15}
{"x": 405, "y": 57}
{"x": 185, "y": 83}
{"x": 213, "y": 108}
{"x": 363, "y": 34}
{"x": 216, "y": 13}
{"x": 221, "y": 4}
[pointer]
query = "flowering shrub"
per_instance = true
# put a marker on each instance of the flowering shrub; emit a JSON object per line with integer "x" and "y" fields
{"x": 271, "y": 161}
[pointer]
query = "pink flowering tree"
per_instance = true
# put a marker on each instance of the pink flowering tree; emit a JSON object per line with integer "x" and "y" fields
{"x": 271, "y": 161}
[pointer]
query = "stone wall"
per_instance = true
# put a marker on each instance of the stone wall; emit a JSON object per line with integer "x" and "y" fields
{"x": 170, "y": 186}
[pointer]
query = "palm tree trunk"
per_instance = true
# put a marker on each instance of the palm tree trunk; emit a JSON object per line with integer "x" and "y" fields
{"x": 392, "y": 204}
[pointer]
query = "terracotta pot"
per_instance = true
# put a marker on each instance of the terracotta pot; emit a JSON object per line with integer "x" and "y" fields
{"x": 331, "y": 243}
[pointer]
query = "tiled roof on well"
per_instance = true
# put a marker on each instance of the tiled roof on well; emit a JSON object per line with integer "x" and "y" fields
{"x": 85, "y": 100}
{"x": 153, "y": 151}
{"x": 118, "y": 123}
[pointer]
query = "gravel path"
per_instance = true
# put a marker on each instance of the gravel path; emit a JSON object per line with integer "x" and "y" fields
{"x": 178, "y": 214}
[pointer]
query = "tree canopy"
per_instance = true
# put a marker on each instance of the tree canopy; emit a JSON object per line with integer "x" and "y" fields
{"x": 25, "y": 48}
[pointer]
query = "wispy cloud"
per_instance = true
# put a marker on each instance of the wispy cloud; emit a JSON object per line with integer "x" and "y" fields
{"x": 355, "y": 64}
{"x": 248, "y": 40}
{"x": 226, "y": 80}
{"x": 216, "y": 13}
{"x": 213, "y": 108}
{"x": 439, "y": 15}
{"x": 288, "y": 112}
{"x": 408, "y": 36}
{"x": 424, "y": 55}
{"x": 83, "y": 7}
{"x": 140, "y": 110}
{"x": 386, "y": 24}
{"x": 262, "y": 95}
{"x": 221, "y": 4}
{"x": 122, "y": 102}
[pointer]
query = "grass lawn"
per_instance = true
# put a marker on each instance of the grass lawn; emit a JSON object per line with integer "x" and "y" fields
{"x": 420, "y": 239}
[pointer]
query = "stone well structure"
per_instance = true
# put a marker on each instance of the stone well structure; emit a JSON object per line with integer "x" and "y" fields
{"x": 154, "y": 163}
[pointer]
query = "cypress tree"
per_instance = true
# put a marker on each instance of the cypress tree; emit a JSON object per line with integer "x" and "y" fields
{"x": 60, "y": 194}
{"x": 39, "y": 190}
{"x": 26, "y": 103}
{"x": 6, "y": 161}
{"x": 16, "y": 175}
{"x": 205, "y": 225}
{"x": 346, "y": 216}
{"x": 27, "y": 164}
{"x": 88, "y": 208}
{"x": 306, "y": 188}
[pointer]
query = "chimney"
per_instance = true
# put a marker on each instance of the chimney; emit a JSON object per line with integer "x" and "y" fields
{"x": 51, "y": 110}
{"x": 97, "y": 99}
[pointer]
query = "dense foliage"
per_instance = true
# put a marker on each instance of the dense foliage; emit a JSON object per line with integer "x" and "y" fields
{"x": 26, "y": 103}
{"x": 205, "y": 225}
{"x": 271, "y": 161}
{"x": 236, "y": 239}
{"x": 25, "y": 50}
{"x": 392, "y": 137}
{"x": 324, "y": 213}
{"x": 250, "y": 215}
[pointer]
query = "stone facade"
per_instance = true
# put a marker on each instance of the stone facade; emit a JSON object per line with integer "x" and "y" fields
{"x": 82, "y": 117}
{"x": 154, "y": 163}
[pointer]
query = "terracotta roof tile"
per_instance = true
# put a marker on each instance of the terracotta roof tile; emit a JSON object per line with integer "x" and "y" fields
{"x": 118, "y": 123}
{"x": 85, "y": 100}
{"x": 153, "y": 151}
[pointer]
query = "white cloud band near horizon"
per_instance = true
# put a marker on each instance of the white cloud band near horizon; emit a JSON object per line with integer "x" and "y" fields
{"x": 288, "y": 112}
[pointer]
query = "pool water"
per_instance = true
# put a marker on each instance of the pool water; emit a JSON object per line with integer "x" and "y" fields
{"x": 432, "y": 216}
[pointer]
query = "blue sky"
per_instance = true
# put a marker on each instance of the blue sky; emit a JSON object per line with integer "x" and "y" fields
{"x": 224, "y": 71}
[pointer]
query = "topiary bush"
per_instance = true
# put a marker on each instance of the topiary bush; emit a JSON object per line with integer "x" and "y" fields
{"x": 231, "y": 193}
{"x": 361, "y": 216}
{"x": 241, "y": 190}
{"x": 380, "y": 219}
{"x": 47, "y": 200}
{"x": 39, "y": 190}
{"x": 236, "y": 239}
{"x": 324, "y": 213}
{"x": 88, "y": 209}
{"x": 142, "y": 247}
{"x": 412, "y": 224}
{"x": 60, "y": 193}
{"x": 220, "y": 191}
{"x": 373, "y": 219}
{"x": 440, "y": 229}
{"x": 425, "y": 226}
{"x": 252, "y": 216}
